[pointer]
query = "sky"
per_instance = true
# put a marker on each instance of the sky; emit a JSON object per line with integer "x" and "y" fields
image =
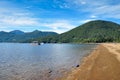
{"x": 55, "y": 15}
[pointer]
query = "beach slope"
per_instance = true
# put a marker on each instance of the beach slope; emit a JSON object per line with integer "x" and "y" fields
{"x": 102, "y": 64}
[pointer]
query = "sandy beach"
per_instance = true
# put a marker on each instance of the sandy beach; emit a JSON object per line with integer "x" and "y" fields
{"x": 102, "y": 64}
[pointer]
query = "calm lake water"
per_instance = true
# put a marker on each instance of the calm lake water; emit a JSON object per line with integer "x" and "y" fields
{"x": 38, "y": 62}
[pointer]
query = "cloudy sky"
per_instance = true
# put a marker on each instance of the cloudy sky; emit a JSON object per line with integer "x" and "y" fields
{"x": 55, "y": 15}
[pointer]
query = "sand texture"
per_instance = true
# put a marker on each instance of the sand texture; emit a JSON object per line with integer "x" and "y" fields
{"x": 102, "y": 64}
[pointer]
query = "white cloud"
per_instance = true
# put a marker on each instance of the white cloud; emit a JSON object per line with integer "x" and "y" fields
{"x": 19, "y": 19}
{"x": 85, "y": 21}
{"x": 93, "y": 16}
{"x": 61, "y": 4}
{"x": 12, "y": 16}
{"x": 16, "y": 21}
{"x": 86, "y": 3}
{"x": 58, "y": 25}
{"x": 97, "y": 8}
{"x": 64, "y": 5}
{"x": 110, "y": 11}
{"x": 79, "y": 2}
{"x": 83, "y": 2}
{"x": 15, "y": 17}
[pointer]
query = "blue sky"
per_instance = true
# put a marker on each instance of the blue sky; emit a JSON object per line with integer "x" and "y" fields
{"x": 55, "y": 15}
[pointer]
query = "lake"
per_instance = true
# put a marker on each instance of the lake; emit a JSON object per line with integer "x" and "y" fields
{"x": 23, "y": 61}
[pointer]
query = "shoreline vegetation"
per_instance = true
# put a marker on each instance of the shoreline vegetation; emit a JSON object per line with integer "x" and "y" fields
{"x": 102, "y": 64}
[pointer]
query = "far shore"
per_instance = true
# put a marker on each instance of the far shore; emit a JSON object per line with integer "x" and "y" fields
{"x": 102, "y": 64}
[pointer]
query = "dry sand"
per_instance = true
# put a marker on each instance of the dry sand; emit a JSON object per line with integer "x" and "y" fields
{"x": 102, "y": 64}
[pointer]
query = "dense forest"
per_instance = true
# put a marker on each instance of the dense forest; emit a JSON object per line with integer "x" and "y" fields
{"x": 94, "y": 31}
{"x": 20, "y": 36}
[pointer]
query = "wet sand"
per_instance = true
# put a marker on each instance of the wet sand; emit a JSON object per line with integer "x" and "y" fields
{"x": 102, "y": 64}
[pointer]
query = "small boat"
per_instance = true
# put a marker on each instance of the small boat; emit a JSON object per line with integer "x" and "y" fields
{"x": 37, "y": 43}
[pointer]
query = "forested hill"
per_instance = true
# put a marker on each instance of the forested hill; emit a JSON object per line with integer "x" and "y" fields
{"x": 20, "y": 36}
{"x": 93, "y": 31}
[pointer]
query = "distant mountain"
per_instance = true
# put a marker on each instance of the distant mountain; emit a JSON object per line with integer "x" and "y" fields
{"x": 20, "y": 36}
{"x": 93, "y": 31}
{"x": 17, "y": 32}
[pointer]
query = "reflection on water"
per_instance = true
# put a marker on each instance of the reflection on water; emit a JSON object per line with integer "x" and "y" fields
{"x": 34, "y": 62}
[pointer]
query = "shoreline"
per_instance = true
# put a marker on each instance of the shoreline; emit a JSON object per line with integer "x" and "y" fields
{"x": 102, "y": 64}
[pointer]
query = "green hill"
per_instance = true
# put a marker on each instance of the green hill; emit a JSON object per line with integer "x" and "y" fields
{"x": 93, "y": 31}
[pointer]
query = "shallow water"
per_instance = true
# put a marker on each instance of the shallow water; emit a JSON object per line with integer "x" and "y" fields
{"x": 39, "y": 62}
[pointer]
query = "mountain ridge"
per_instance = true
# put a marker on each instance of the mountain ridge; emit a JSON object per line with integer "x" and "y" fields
{"x": 17, "y": 32}
{"x": 20, "y": 36}
{"x": 96, "y": 31}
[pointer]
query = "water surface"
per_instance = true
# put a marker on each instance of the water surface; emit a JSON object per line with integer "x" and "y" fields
{"x": 31, "y": 62}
